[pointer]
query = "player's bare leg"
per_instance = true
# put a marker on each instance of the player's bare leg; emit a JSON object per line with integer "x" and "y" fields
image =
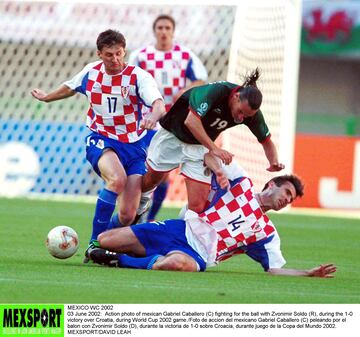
{"x": 197, "y": 194}
{"x": 129, "y": 200}
{"x": 158, "y": 198}
{"x": 112, "y": 171}
{"x": 149, "y": 182}
{"x": 152, "y": 179}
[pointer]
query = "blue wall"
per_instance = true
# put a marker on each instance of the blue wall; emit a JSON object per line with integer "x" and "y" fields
{"x": 61, "y": 151}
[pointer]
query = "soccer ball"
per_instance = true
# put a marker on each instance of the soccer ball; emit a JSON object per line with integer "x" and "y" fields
{"x": 62, "y": 242}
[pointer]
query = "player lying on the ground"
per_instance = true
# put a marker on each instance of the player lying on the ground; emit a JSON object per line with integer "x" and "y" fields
{"x": 235, "y": 223}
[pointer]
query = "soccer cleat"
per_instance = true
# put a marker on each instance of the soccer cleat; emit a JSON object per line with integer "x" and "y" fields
{"x": 92, "y": 245}
{"x": 145, "y": 204}
{"x": 104, "y": 257}
{"x": 141, "y": 218}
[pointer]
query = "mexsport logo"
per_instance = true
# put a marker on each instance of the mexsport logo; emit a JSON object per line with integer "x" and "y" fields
{"x": 30, "y": 318}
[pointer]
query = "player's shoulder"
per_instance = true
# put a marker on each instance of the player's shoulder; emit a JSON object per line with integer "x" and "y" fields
{"x": 184, "y": 50}
{"x": 91, "y": 69}
{"x": 218, "y": 88}
{"x": 180, "y": 47}
{"x": 224, "y": 84}
{"x": 242, "y": 186}
{"x": 246, "y": 184}
{"x": 234, "y": 171}
{"x": 136, "y": 69}
{"x": 218, "y": 84}
{"x": 211, "y": 92}
{"x": 223, "y": 88}
{"x": 96, "y": 65}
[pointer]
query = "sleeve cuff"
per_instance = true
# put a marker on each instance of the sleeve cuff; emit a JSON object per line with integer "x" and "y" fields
{"x": 194, "y": 112}
{"x": 266, "y": 139}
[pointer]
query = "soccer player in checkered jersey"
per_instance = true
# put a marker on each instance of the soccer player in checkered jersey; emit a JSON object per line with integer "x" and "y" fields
{"x": 176, "y": 69}
{"x": 116, "y": 92}
{"x": 234, "y": 223}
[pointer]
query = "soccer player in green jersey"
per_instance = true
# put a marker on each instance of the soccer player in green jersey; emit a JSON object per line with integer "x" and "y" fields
{"x": 191, "y": 126}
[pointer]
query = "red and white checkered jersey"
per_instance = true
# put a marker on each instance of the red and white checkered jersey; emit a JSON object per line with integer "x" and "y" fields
{"x": 232, "y": 224}
{"x": 115, "y": 100}
{"x": 170, "y": 68}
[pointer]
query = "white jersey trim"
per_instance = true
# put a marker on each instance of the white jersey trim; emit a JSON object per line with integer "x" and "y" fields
{"x": 276, "y": 259}
{"x": 198, "y": 68}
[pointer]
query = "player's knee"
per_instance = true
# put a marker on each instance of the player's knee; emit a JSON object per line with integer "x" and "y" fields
{"x": 176, "y": 262}
{"x": 104, "y": 239}
{"x": 127, "y": 215}
{"x": 168, "y": 264}
{"x": 109, "y": 239}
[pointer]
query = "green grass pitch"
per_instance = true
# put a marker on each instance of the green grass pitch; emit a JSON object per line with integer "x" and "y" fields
{"x": 28, "y": 274}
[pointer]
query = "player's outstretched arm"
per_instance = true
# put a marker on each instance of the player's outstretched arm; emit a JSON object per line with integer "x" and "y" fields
{"x": 60, "y": 93}
{"x": 272, "y": 156}
{"x": 324, "y": 270}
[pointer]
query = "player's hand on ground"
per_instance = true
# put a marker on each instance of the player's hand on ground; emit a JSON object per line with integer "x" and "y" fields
{"x": 275, "y": 167}
{"x": 38, "y": 94}
{"x": 324, "y": 270}
{"x": 225, "y": 156}
{"x": 221, "y": 179}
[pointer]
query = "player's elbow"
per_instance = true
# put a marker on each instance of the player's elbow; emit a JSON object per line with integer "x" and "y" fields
{"x": 188, "y": 123}
{"x": 191, "y": 121}
{"x": 159, "y": 105}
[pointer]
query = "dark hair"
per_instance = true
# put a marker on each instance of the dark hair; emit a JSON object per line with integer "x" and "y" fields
{"x": 110, "y": 37}
{"x": 164, "y": 17}
{"x": 291, "y": 178}
{"x": 249, "y": 90}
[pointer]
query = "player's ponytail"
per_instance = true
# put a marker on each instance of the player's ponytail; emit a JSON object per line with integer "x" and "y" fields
{"x": 250, "y": 80}
{"x": 250, "y": 91}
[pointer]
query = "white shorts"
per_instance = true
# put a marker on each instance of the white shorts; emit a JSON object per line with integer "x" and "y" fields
{"x": 166, "y": 152}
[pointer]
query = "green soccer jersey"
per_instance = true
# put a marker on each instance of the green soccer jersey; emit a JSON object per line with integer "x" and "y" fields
{"x": 210, "y": 103}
